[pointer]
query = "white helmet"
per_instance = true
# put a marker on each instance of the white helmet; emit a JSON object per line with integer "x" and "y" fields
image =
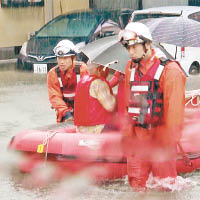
{"x": 65, "y": 48}
{"x": 135, "y": 33}
{"x": 140, "y": 29}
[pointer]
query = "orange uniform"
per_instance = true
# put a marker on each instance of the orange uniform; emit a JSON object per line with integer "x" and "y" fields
{"x": 155, "y": 149}
{"x": 54, "y": 88}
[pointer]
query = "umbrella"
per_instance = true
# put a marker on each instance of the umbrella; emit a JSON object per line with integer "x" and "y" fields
{"x": 108, "y": 52}
{"x": 179, "y": 31}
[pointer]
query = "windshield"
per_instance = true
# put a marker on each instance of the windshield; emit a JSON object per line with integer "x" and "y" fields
{"x": 70, "y": 26}
{"x": 142, "y": 16}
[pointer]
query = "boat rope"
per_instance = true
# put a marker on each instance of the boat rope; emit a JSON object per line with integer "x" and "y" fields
{"x": 186, "y": 159}
{"x": 192, "y": 95}
{"x": 40, "y": 148}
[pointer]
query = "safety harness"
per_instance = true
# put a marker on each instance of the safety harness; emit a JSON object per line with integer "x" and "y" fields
{"x": 146, "y": 98}
{"x": 68, "y": 97}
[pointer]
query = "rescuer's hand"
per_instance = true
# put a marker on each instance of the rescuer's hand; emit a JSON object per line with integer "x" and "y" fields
{"x": 68, "y": 117}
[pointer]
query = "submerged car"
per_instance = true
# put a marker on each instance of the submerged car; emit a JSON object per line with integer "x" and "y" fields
{"x": 80, "y": 27}
{"x": 188, "y": 57}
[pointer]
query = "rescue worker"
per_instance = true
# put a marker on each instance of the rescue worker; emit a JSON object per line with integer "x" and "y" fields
{"x": 155, "y": 97}
{"x": 62, "y": 80}
{"x": 94, "y": 101}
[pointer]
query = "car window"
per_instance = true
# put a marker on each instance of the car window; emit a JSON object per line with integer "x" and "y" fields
{"x": 195, "y": 16}
{"x": 141, "y": 16}
{"x": 108, "y": 28}
{"x": 67, "y": 26}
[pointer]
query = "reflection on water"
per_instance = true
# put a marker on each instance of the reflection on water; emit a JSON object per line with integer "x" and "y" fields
{"x": 11, "y": 78}
{"x": 24, "y": 105}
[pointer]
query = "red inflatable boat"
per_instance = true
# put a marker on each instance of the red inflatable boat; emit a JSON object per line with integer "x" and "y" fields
{"x": 73, "y": 152}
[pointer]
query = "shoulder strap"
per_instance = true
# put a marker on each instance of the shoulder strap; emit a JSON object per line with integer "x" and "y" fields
{"x": 163, "y": 60}
{"x": 77, "y": 71}
{"x": 59, "y": 78}
{"x": 160, "y": 69}
{"x": 77, "y": 68}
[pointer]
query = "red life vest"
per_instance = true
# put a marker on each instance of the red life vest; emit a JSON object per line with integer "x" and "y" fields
{"x": 88, "y": 110}
{"x": 146, "y": 98}
{"x": 68, "y": 88}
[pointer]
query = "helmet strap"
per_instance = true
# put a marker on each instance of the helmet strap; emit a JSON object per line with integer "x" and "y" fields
{"x": 145, "y": 49}
{"x": 139, "y": 59}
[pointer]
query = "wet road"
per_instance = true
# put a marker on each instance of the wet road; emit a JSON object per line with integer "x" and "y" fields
{"x": 24, "y": 105}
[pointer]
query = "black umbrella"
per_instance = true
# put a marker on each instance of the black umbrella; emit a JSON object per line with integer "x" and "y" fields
{"x": 108, "y": 52}
{"x": 180, "y": 31}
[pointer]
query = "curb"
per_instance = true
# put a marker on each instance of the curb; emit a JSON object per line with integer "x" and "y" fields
{"x": 8, "y": 64}
{"x": 14, "y": 60}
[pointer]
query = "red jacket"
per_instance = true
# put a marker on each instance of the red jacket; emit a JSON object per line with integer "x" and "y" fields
{"x": 88, "y": 111}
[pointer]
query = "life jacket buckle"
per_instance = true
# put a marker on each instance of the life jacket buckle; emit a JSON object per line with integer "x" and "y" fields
{"x": 135, "y": 118}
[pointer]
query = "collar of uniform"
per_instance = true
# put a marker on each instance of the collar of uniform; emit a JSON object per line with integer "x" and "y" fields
{"x": 68, "y": 73}
{"x": 150, "y": 59}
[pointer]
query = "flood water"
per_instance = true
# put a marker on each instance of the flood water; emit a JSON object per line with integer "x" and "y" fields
{"x": 24, "y": 105}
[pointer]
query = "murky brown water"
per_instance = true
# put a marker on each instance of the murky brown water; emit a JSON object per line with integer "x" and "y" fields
{"x": 23, "y": 105}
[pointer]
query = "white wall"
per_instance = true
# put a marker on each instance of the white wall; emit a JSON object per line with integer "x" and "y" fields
{"x": 17, "y": 23}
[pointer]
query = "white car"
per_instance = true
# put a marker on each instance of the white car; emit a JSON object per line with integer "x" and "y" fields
{"x": 189, "y": 57}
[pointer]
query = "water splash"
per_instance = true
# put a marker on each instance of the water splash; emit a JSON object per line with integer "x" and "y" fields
{"x": 170, "y": 184}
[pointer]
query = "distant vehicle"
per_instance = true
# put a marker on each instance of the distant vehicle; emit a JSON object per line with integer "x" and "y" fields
{"x": 188, "y": 57}
{"x": 80, "y": 27}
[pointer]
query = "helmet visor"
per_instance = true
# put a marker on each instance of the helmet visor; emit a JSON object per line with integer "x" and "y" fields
{"x": 129, "y": 38}
{"x": 62, "y": 51}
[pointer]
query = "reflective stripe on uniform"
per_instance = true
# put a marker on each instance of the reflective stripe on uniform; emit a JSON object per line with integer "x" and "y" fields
{"x": 140, "y": 88}
{"x": 60, "y": 81}
{"x": 78, "y": 78}
{"x": 134, "y": 110}
{"x": 159, "y": 72}
{"x": 69, "y": 94}
{"x": 132, "y": 74}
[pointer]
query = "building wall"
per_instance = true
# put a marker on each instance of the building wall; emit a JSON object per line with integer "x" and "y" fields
{"x": 138, "y": 4}
{"x": 16, "y": 24}
{"x": 115, "y": 4}
{"x": 64, "y": 6}
{"x": 157, "y": 3}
